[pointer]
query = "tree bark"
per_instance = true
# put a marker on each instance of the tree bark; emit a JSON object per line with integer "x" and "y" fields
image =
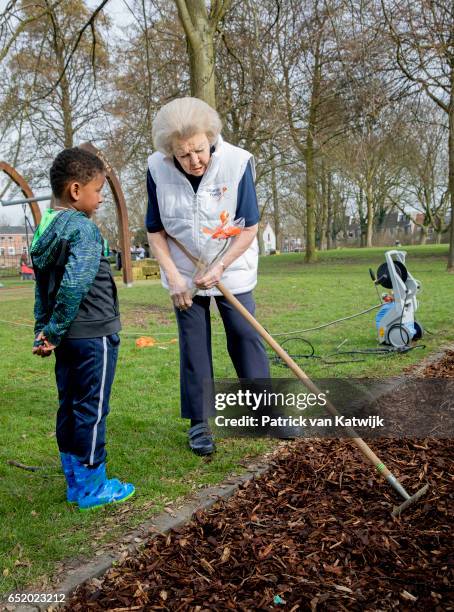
{"x": 362, "y": 218}
{"x": 146, "y": 43}
{"x": 66, "y": 106}
{"x": 450, "y": 266}
{"x": 330, "y": 221}
{"x": 201, "y": 64}
{"x": 370, "y": 216}
{"x": 324, "y": 206}
{"x": 329, "y": 213}
{"x": 310, "y": 256}
{"x": 310, "y": 200}
{"x": 200, "y": 28}
{"x": 423, "y": 238}
{"x": 276, "y": 211}
{"x": 67, "y": 112}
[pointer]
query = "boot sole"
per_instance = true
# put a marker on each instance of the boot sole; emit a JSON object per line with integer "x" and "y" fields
{"x": 203, "y": 453}
{"x": 116, "y": 501}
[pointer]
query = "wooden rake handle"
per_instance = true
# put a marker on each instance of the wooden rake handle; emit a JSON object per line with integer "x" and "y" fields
{"x": 299, "y": 373}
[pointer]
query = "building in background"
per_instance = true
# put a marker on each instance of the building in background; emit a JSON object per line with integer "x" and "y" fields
{"x": 269, "y": 239}
{"x": 13, "y": 245}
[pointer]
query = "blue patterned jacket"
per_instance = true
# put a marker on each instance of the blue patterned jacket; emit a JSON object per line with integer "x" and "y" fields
{"x": 84, "y": 245}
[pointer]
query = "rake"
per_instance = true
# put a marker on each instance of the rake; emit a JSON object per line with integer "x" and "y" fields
{"x": 365, "y": 449}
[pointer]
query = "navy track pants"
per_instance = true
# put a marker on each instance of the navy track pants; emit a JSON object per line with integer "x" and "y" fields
{"x": 84, "y": 371}
{"x": 244, "y": 345}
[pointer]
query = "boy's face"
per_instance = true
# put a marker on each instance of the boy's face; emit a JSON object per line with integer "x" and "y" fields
{"x": 87, "y": 198}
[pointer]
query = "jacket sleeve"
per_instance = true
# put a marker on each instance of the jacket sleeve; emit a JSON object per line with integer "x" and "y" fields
{"x": 247, "y": 206}
{"x": 39, "y": 310}
{"x": 81, "y": 268}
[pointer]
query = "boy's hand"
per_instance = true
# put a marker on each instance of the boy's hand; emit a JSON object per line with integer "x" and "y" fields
{"x": 41, "y": 346}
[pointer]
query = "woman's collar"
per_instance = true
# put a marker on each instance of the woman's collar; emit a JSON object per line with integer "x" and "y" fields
{"x": 218, "y": 145}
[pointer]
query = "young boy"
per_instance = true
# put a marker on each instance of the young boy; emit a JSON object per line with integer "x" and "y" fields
{"x": 77, "y": 317}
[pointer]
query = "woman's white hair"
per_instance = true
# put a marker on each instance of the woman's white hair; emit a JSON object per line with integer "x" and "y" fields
{"x": 182, "y": 118}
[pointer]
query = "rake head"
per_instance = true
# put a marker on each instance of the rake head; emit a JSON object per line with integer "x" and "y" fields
{"x": 399, "y": 509}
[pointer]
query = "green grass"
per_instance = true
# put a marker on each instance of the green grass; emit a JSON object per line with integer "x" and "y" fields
{"x": 146, "y": 437}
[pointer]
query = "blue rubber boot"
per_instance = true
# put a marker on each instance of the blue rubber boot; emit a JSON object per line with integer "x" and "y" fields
{"x": 96, "y": 490}
{"x": 68, "y": 471}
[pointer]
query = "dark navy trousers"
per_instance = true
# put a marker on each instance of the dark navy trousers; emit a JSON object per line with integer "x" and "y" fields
{"x": 84, "y": 370}
{"x": 244, "y": 345}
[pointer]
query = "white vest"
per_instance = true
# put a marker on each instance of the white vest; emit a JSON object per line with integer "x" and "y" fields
{"x": 184, "y": 214}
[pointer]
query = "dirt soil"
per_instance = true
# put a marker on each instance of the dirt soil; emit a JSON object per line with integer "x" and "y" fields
{"x": 142, "y": 316}
{"x": 314, "y": 533}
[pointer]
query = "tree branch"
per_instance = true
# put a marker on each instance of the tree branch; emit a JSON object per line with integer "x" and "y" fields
{"x": 188, "y": 25}
{"x": 88, "y": 24}
{"x": 21, "y": 28}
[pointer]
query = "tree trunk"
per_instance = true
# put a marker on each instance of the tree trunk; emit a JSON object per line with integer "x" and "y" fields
{"x": 450, "y": 266}
{"x": 310, "y": 200}
{"x": 66, "y": 107}
{"x": 260, "y": 240}
{"x": 310, "y": 165}
{"x": 329, "y": 225}
{"x": 276, "y": 212}
{"x": 370, "y": 216}
{"x": 362, "y": 218}
{"x": 423, "y": 238}
{"x": 146, "y": 43}
{"x": 67, "y": 112}
{"x": 329, "y": 214}
{"x": 201, "y": 64}
{"x": 324, "y": 206}
{"x": 200, "y": 28}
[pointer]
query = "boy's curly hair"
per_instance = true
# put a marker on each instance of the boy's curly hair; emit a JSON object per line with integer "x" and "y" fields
{"x": 73, "y": 164}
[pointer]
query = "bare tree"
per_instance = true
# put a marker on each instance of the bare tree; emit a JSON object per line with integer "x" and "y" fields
{"x": 423, "y": 36}
{"x": 13, "y": 24}
{"x": 426, "y": 186}
{"x": 56, "y": 99}
{"x": 310, "y": 56}
{"x": 51, "y": 90}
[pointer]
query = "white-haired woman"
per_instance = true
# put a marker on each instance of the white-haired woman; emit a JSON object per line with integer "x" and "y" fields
{"x": 192, "y": 177}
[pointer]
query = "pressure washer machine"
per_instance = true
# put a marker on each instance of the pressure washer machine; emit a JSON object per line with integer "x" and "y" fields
{"x": 395, "y": 321}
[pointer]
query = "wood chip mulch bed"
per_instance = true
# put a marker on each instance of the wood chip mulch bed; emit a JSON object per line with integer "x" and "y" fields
{"x": 313, "y": 533}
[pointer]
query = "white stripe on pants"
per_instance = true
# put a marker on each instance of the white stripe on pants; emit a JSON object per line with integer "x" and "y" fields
{"x": 101, "y": 399}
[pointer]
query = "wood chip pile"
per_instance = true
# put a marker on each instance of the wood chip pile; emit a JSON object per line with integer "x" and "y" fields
{"x": 314, "y": 533}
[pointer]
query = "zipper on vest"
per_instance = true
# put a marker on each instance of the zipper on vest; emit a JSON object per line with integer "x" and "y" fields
{"x": 197, "y": 208}
{"x": 196, "y": 205}
{"x": 197, "y": 224}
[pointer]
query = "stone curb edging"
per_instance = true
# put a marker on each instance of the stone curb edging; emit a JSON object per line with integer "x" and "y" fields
{"x": 161, "y": 523}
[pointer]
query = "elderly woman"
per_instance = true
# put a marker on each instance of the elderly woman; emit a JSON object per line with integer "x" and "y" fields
{"x": 192, "y": 177}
